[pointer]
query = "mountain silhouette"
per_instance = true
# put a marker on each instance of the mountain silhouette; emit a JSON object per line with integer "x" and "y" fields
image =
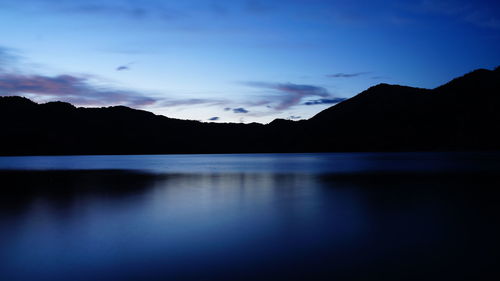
{"x": 460, "y": 115}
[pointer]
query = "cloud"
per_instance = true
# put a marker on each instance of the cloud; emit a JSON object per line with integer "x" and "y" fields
{"x": 166, "y": 11}
{"x": 347, "y": 75}
{"x": 81, "y": 90}
{"x": 5, "y": 55}
{"x": 122, "y": 68}
{"x": 187, "y": 102}
{"x": 479, "y": 13}
{"x": 132, "y": 10}
{"x": 258, "y": 7}
{"x": 214, "y": 118}
{"x": 159, "y": 9}
{"x": 78, "y": 90}
{"x": 69, "y": 88}
{"x": 218, "y": 9}
{"x": 324, "y": 101}
{"x": 289, "y": 94}
{"x": 483, "y": 20}
{"x": 240, "y": 110}
{"x": 8, "y": 57}
{"x": 380, "y": 77}
{"x": 294, "y": 117}
{"x": 125, "y": 67}
{"x": 127, "y": 9}
{"x": 95, "y": 8}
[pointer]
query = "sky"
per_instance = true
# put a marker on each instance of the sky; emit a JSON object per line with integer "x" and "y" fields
{"x": 237, "y": 60}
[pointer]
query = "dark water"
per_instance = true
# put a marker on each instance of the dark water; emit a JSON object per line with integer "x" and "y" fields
{"x": 408, "y": 216}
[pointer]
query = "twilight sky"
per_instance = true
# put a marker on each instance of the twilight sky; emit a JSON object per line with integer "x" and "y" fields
{"x": 237, "y": 60}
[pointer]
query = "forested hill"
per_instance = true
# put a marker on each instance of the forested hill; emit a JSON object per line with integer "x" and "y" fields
{"x": 463, "y": 114}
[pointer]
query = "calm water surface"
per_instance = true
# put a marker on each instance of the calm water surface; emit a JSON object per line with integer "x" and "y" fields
{"x": 349, "y": 216}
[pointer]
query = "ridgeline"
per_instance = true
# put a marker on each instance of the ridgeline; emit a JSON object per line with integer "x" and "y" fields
{"x": 461, "y": 115}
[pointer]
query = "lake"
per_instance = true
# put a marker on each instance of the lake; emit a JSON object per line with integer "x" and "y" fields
{"x": 332, "y": 216}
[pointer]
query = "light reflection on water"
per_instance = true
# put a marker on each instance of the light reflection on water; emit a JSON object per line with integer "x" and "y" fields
{"x": 265, "y": 219}
{"x": 312, "y": 163}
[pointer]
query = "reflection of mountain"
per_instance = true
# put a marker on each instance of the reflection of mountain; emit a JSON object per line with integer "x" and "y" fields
{"x": 460, "y": 115}
{"x": 127, "y": 225}
{"x": 65, "y": 187}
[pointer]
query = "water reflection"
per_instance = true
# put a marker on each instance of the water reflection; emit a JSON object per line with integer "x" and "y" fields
{"x": 131, "y": 225}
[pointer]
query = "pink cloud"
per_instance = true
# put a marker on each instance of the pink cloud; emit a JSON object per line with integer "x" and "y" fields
{"x": 69, "y": 88}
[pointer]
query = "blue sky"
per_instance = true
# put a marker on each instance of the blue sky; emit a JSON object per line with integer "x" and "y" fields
{"x": 238, "y": 60}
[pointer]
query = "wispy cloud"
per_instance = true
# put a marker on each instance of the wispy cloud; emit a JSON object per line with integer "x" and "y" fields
{"x": 379, "y": 77}
{"x": 8, "y": 58}
{"x": 129, "y": 9}
{"x": 122, "y": 68}
{"x": 324, "y": 101}
{"x": 240, "y": 110}
{"x": 478, "y": 13}
{"x": 152, "y": 10}
{"x": 483, "y": 20}
{"x": 77, "y": 89}
{"x": 346, "y": 75}
{"x": 214, "y": 118}
{"x": 258, "y": 7}
{"x": 286, "y": 95}
{"x": 134, "y": 10}
{"x": 69, "y": 88}
{"x": 188, "y": 102}
{"x": 6, "y": 55}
